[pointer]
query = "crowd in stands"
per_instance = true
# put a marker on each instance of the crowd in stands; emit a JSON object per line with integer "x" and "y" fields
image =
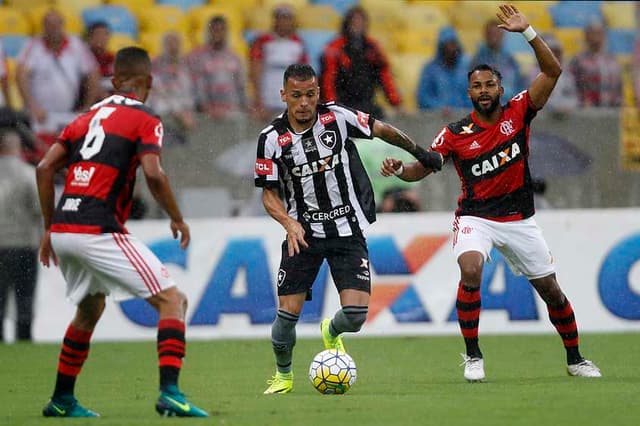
{"x": 233, "y": 53}
{"x": 225, "y": 59}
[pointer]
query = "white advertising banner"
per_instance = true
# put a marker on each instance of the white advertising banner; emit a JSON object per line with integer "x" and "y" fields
{"x": 228, "y": 273}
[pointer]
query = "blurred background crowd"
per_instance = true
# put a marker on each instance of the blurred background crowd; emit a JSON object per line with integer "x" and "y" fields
{"x": 218, "y": 64}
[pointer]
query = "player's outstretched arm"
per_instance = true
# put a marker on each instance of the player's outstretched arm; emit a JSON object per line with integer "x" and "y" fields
{"x": 411, "y": 172}
{"x": 550, "y": 69}
{"x": 295, "y": 232}
{"x": 430, "y": 160}
{"x": 160, "y": 188}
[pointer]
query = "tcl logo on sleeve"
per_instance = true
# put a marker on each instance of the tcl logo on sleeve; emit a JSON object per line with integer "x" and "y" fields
{"x": 327, "y": 118}
{"x": 363, "y": 119}
{"x": 284, "y": 139}
{"x": 264, "y": 166}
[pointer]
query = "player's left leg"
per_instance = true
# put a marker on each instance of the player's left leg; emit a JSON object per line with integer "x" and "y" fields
{"x": 527, "y": 252}
{"x": 74, "y": 352}
{"x": 349, "y": 319}
{"x": 348, "y": 259}
{"x": 171, "y": 306}
{"x": 563, "y": 319}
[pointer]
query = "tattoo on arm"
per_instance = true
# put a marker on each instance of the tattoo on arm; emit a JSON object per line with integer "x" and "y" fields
{"x": 397, "y": 137}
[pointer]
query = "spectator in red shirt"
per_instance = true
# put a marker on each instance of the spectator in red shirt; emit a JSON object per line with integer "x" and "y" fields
{"x": 353, "y": 65}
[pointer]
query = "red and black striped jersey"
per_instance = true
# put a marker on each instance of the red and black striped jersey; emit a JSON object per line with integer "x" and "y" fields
{"x": 104, "y": 146}
{"x": 491, "y": 161}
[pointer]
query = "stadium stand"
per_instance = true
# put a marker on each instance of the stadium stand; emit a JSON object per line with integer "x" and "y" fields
{"x": 620, "y": 41}
{"x": 474, "y": 15}
{"x": 137, "y": 7}
{"x": 247, "y": 5}
{"x": 76, "y": 5}
{"x": 575, "y": 13}
{"x": 341, "y": 6}
{"x": 159, "y": 18}
{"x": 13, "y": 43}
{"x": 298, "y": 5}
{"x": 23, "y": 5}
{"x": 415, "y": 41}
{"x": 13, "y": 21}
{"x": 319, "y": 17}
{"x": 619, "y": 14}
{"x": 183, "y": 4}
{"x": 405, "y": 28}
{"x": 406, "y": 68}
{"x": 571, "y": 38}
{"x": 416, "y": 16}
{"x": 119, "y": 18}
{"x": 259, "y": 19}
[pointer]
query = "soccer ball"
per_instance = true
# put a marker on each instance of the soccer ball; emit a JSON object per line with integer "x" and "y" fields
{"x": 332, "y": 372}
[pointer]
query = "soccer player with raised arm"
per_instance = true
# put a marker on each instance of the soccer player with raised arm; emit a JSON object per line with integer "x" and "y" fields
{"x": 86, "y": 236}
{"x": 308, "y": 153}
{"x": 489, "y": 149}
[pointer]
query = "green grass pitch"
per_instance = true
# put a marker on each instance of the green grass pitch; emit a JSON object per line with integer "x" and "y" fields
{"x": 401, "y": 381}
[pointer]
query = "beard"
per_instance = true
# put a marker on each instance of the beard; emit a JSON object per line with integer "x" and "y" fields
{"x": 305, "y": 120}
{"x": 495, "y": 103}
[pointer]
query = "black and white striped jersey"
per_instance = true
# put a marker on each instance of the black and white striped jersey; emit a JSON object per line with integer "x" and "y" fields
{"x": 326, "y": 187}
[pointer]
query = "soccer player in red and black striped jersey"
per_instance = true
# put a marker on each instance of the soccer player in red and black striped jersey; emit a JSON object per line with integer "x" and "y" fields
{"x": 489, "y": 149}
{"x": 86, "y": 236}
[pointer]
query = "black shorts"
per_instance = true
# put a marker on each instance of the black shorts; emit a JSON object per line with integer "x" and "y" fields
{"x": 348, "y": 260}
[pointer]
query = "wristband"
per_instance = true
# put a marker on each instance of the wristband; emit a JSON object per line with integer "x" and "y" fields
{"x": 431, "y": 160}
{"x": 529, "y": 34}
{"x": 399, "y": 171}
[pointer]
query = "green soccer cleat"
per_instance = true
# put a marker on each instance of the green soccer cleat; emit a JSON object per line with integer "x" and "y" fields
{"x": 174, "y": 404}
{"x": 330, "y": 342}
{"x": 66, "y": 407}
{"x": 280, "y": 383}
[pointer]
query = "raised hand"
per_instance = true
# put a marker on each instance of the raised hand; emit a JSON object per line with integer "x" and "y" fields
{"x": 512, "y": 20}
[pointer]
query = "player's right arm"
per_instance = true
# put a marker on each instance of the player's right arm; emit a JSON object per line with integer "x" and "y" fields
{"x": 160, "y": 188}
{"x": 275, "y": 207}
{"x": 53, "y": 161}
{"x": 266, "y": 176}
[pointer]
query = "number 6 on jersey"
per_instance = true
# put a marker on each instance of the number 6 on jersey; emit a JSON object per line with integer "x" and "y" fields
{"x": 95, "y": 136}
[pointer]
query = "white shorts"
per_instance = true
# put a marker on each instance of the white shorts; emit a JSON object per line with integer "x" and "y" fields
{"x": 112, "y": 264}
{"x": 520, "y": 242}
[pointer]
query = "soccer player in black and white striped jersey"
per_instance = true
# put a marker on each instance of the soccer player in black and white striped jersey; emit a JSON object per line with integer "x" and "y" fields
{"x": 308, "y": 153}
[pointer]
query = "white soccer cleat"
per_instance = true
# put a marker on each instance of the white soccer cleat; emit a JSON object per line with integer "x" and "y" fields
{"x": 473, "y": 368}
{"x": 585, "y": 368}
